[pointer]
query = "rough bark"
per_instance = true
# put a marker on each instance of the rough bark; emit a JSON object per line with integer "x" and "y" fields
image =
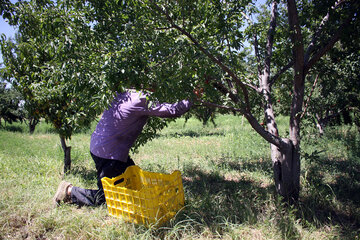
{"x": 286, "y": 159}
{"x": 299, "y": 79}
{"x": 67, "y": 155}
{"x": 286, "y": 166}
{"x": 265, "y": 78}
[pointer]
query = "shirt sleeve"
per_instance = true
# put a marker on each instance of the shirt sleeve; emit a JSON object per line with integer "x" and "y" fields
{"x": 167, "y": 110}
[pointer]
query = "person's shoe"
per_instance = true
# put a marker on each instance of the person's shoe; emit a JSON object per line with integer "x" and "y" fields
{"x": 61, "y": 194}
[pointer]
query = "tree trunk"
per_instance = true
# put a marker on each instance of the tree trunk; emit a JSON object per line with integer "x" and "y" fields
{"x": 32, "y": 124}
{"x": 319, "y": 124}
{"x": 286, "y": 166}
{"x": 67, "y": 155}
{"x": 285, "y": 158}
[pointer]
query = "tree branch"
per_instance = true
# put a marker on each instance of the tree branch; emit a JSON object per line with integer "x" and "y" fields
{"x": 271, "y": 138}
{"x": 257, "y": 54}
{"x": 299, "y": 76}
{"x": 256, "y": 45}
{"x": 319, "y": 30}
{"x": 208, "y": 54}
{"x": 218, "y": 85}
{"x": 253, "y": 87}
{"x": 231, "y": 86}
{"x": 309, "y": 97}
{"x": 327, "y": 46}
{"x": 270, "y": 38}
{"x": 209, "y": 104}
{"x": 246, "y": 111}
{"x": 278, "y": 74}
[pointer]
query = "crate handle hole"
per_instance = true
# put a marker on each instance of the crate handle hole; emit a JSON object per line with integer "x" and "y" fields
{"x": 119, "y": 181}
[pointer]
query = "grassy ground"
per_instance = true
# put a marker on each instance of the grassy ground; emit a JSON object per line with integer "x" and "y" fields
{"x": 227, "y": 177}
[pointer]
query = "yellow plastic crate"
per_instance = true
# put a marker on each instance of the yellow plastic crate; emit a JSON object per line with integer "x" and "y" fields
{"x": 144, "y": 197}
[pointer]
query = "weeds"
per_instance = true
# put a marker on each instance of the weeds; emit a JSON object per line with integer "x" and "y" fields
{"x": 227, "y": 179}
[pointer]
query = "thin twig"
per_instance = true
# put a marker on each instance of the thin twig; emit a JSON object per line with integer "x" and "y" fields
{"x": 308, "y": 99}
{"x": 319, "y": 30}
{"x": 278, "y": 74}
{"x": 209, "y": 104}
{"x": 256, "y": 44}
{"x": 270, "y": 38}
{"x": 327, "y": 46}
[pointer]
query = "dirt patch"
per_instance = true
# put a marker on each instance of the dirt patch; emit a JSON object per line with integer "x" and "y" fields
{"x": 40, "y": 136}
{"x": 16, "y": 227}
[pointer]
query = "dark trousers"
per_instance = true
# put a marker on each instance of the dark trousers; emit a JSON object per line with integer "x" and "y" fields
{"x": 105, "y": 168}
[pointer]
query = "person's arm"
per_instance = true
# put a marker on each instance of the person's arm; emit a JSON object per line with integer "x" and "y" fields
{"x": 167, "y": 110}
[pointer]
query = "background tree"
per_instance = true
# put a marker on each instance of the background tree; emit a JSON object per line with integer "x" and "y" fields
{"x": 336, "y": 95}
{"x": 10, "y": 104}
{"x": 57, "y": 64}
{"x": 66, "y": 68}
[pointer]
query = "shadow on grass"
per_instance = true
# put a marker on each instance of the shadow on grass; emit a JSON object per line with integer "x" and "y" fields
{"x": 263, "y": 166}
{"x": 351, "y": 141}
{"x": 332, "y": 194}
{"x": 193, "y": 134}
{"x": 330, "y": 197}
{"x": 89, "y": 175}
{"x": 211, "y": 196}
{"x": 12, "y": 128}
{"x": 216, "y": 202}
{"x": 213, "y": 199}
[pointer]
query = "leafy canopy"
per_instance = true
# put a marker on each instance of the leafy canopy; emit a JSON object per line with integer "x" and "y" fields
{"x": 58, "y": 63}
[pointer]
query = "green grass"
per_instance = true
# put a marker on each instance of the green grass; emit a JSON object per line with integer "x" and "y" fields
{"x": 227, "y": 177}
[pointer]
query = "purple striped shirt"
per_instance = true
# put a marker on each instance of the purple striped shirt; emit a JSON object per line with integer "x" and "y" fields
{"x": 122, "y": 123}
